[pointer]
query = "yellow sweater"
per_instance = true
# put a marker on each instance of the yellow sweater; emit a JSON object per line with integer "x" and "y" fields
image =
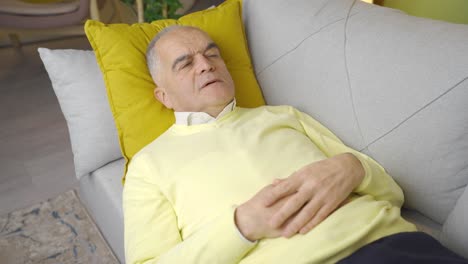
{"x": 181, "y": 191}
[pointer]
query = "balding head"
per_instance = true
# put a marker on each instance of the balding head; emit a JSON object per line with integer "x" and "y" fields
{"x": 190, "y": 74}
{"x": 151, "y": 54}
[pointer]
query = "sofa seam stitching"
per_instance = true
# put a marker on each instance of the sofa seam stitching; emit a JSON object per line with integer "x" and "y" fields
{"x": 302, "y": 41}
{"x": 418, "y": 111}
{"x": 348, "y": 79}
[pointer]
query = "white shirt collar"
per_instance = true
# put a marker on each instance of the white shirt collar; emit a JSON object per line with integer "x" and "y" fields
{"x": 198, "y": 118}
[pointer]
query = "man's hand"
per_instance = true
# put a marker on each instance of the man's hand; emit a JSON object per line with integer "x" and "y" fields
{"x": 252, "y": 217}
{"x": 313, "y": 192}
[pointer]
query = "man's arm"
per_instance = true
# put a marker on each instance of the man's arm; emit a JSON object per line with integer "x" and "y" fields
{"x": 152, "y": 234}
{"x": 376, "y": 180}
{"x": 319, "y": 188}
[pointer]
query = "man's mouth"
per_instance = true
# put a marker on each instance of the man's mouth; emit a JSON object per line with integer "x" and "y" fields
{"x": 210, "y": 82}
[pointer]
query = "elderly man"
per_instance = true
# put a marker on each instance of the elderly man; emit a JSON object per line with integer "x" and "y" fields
{"x": 226, "y": 184}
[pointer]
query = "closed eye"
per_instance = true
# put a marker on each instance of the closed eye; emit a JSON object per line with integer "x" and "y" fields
{"x": 211, "y": 50}
{"x": 186, "y": 65}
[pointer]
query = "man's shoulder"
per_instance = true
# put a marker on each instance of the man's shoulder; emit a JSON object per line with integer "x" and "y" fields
{"x": 155, "y": 146}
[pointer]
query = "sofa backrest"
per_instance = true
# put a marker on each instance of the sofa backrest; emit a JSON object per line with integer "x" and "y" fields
{"x": 388, "y": 84}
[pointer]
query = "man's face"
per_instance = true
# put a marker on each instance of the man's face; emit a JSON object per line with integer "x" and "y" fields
{"x": 191, "y": 75}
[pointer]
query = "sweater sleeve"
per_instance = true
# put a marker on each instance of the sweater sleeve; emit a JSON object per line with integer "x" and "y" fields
{"x": 152, "y": 234}
{"x": 376, "y": 181}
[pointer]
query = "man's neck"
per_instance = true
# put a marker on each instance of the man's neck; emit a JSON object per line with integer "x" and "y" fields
{"x": 214, "y": 112}
{"x": 194, "y": 118}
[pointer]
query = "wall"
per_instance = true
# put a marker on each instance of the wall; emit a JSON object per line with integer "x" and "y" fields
{"x": 107, "y": 14}
{"x": 455, "y": 11}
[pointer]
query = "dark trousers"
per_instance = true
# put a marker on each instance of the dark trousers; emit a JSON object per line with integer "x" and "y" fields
{"x": 405, "y": 248}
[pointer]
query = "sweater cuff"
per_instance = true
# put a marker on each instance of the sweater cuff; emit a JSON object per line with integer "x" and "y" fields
{"x": 367, "y": 174}
{"x": 238, "y": 231}
{"x": 229, "y": 237}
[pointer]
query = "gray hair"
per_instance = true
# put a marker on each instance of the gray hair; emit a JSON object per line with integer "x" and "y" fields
{"x": 151, "y": 55}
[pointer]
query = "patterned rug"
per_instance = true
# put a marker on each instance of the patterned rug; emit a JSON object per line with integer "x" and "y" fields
{"x": 58, "y": 230}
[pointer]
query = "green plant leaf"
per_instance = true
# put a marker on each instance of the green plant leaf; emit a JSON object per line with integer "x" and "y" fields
{"x": 154, "y": 9}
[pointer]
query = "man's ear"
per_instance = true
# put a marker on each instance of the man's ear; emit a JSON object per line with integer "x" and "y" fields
{"x": 161, "y": 96}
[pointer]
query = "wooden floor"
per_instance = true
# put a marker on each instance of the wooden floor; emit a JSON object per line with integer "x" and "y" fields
{"x": 36, "y": 161}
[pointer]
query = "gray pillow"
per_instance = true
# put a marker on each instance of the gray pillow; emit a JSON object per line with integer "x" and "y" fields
{"x": 79, "y": 86}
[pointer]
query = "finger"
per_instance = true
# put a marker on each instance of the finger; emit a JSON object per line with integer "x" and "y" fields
{"x": 319, "y": 217}
{"x": 284, "y": 188}
{"x": 293, "y": 205}
{"x": 305, "y": 215}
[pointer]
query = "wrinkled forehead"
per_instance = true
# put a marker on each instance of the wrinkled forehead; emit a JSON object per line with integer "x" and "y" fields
{"x": 182, "y": 41}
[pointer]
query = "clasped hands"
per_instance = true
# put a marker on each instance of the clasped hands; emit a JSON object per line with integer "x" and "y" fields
{"x": 300, "y": 202}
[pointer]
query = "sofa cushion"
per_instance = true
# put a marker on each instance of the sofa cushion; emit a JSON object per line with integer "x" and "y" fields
{"x": 82, "y": 97}
{"x": 121, "y": 49}
{"x": 391, "y": 85}
{"x": 422, "y": 223}
{"x": 454, "y": 229}
{"x": 101, "y": 192}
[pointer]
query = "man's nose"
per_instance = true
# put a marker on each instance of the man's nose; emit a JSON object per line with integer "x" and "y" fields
{"x": 204, "y": 64}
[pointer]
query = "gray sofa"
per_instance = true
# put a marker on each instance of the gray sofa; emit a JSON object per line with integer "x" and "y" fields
{"x": 390, "y": 85}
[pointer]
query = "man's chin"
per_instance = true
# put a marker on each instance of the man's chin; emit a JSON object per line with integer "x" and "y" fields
{"x": 221, "y": 100}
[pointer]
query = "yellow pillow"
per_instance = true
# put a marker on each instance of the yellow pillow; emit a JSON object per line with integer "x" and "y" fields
{"x": 120, "y": 52}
